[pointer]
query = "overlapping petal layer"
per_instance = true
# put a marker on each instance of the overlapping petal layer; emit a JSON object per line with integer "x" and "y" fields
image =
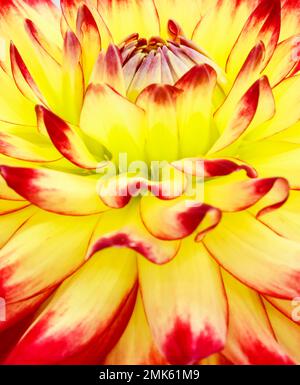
{"x": 196, "y": 263}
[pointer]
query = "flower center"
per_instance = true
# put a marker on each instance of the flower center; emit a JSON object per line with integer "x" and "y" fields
{"x": 157, "y": 61}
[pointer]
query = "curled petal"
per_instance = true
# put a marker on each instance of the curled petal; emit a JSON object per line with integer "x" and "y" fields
{"x": 178, "y": 218}
{"x": 124, "y": 228}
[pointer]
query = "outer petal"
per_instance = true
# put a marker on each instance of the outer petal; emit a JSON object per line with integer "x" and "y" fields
{"x": 17, "y": 311}
{"x": 108, "y": 69}
{"x": 175, "y": 9}
{"x": 55, "y": 191}
{"x": 124, "y": 228}
{"x": 194, "y": 108}
{"x": 284, "y": 60}
{"x": 250, "y": 339}
{"x": 223, "y": 18}
{"x": 185, "y": 331}
{"x": 62, "y": 334}
{"x": 29, "y": 267}
{"x": 269, "y": 264}
{"x": 130, "y": 16}
{"x": 287, "y": 98}
{"x": 286, "y": 332}
{"x": 88, "y": 33}
{"x": 286, "y": 220}
{"x": 11, "y": 222}
{"x": 72, "y": 79}
{"x": 263, "y": 25}
{"x": 242, "y": 117}
{"x": 271, "y": 157}
{"x": 14, "y": 107}
{"x": 67, "y": 140}
{"x": 136, "y": 346}
{"x": 159, "y": 101}
{"x": 237, "y": 194}
{"x": 113, "y": 121}
{"x": 36, "y": 149}
{"x": 290, "y": 14}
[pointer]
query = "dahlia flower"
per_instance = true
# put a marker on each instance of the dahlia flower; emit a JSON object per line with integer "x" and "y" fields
{"x": 92, "y": 271}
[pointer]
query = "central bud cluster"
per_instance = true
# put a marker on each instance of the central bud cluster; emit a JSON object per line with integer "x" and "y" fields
{"x": 157, "y": 61}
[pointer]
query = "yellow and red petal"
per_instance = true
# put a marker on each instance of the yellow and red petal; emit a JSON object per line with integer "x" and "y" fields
{"x": 136, "y": 346}
{"x": 22, "y": 273}
{"x": 250, "y": 339}
{"x": 185, "y": 331}
{"x": 269, "y": 263}
{"x": 100, "y": 322}
{"x": 124, "y": 228}
{"x": 55, "y": 191}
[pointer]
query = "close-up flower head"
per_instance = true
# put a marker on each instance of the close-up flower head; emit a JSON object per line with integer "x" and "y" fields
{"x": 150, "y": 182}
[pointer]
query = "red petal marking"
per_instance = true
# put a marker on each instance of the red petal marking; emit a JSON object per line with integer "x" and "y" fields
{"x": 198, "y": 75}
{"x": 264, "y": 186}
{"x": 59, "y": 132}
{"x": 21, "y": 180}
{"x": 124, "y": 240}
{"x": 85, "y": 22}
{"x": 117, "y": 192}
{"x": 243, "y": 116}
{"x": 190, "y": 219}
{"x": 57, "y": 129}
{"x": 18, "y": 65}
{"x": 17, "y": 311}
{"x": 213, "y": 167}
{"x": 259, "y": 354}
{"x": 34, "y": 349}
{"x": 182, "y": 347}
{"x": 72, "y": 49}
{"x": 267, "y": 14}
{"x": 174, "y": 29}
{"x": 160, "y": 94}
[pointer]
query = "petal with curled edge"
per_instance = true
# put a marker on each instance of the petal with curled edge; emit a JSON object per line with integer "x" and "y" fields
{"x": 178, "y": 218}
{"x": 55, "y": 191}
{"x": 235, "y": 193}
{"x": 28, "y": 268}
{"x": 63, "y": 335}
{"x": 209, "y": 168}
{"x": 185, "y": 330}
{"x": 116, "y": 191}
{"x": 124, "y": 228}
{"x": 256, "y": 255}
